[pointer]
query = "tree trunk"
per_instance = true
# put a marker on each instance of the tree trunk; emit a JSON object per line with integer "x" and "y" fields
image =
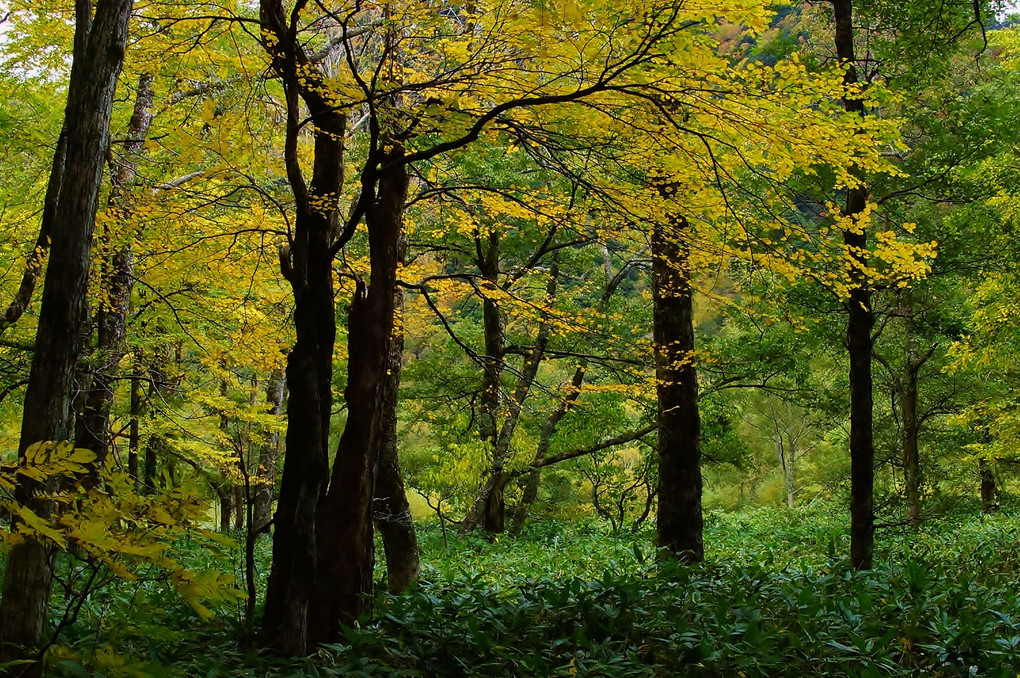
{"x": 23, "y": 297}
{"x": 99, "y": 53}
{"x": 392, "y": 511}
{"x": 489, "y": 507}
{"x": 679, "y": 522}
{"x": 133, "y": 425}
{"x": 92, "y": 429}
{"x": 909, "y": 443}
{"x": 346, "y": 553}
{"x": 226, "y": 497}
{"x": 265, "y": 476}
{"x": 307, "y": 263}
{"x": 860, "y": 321}
{"x": 989, "y": 501}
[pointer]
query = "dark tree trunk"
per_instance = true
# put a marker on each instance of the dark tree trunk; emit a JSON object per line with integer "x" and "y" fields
{"x": 92, "y": 428}
{"x": 99, "y": 53}
{"x": 151, "y": 468}
{"x": 989, "y": 499}
{"x": 226, "y": 497}
{"x": 860, "y": 321}
{"x": 911, "y": 456}
{"x": 492, "y": 389}
{"x": 240, "y": 507}
{"x": 679, "y": 521}
{"x": 265, "y": 476}
{"x": 346, "y": 553}
{"x": 134, "y": 434}
{"x": 307, "y": 265}
{"x": 392, "y": 511}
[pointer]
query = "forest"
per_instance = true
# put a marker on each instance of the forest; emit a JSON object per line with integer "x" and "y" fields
{"x": 509, "y": 338}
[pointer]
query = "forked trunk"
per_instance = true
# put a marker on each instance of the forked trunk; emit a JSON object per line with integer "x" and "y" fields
{"x": 346, "y": 553}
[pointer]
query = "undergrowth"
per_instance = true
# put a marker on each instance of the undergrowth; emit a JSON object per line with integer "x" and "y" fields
{"x": 774, "y": 597}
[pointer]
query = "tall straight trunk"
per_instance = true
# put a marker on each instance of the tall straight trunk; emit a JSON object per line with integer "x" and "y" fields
{"x": 265, "y": 475}
{"x": 226, "y": 497}
{"x": 134, "y": 433}
{"x": 346, "y": 553}
{"x": 679, "y": 522}
{"x": 150, "y": 470}
{"x": 909, "y": 443}
{"x": 99, "y": 53}
{"x": 92, "y": 426}
{"x": 392, "y": 511}
{"x": 860, "y": 321}
{"x": 483, "y": 509}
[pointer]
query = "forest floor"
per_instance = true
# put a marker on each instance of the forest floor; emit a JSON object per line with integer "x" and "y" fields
{"x": 774, "y": 597}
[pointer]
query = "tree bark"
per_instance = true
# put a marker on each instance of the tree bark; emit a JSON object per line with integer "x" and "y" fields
{"x": 392, "y": 511}
{"x": 117, "y": 282}
{"x": 134, "y": 434}
{"x": 860, "y": 321}
{"x": 99, "y": 53}
{"x": 346, "y": 553}
{"x": 909, "y": 443}
{"x": 679, "y": 522}
{"x": 989, "y": 500}
{"x": 265, "y": 476}
{"x": 307, "y": 264}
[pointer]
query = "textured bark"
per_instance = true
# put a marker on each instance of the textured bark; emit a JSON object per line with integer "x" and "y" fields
{"x": 679, "y": 521}
{"x": 346, "y": 552}
{"x": 99, "y": 53}
{"x": 307, "y": 265}
{"x": 92, "y": 424}
{"x": 392, "y": 511}
{"x": 860, "y": 321}
{"x": 265, "y": 476}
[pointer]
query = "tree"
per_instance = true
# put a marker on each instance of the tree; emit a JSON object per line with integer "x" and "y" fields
{"x": 100, "y": 41}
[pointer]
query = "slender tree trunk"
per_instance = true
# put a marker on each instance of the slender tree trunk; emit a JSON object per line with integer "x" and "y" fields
{"x": 226, "y": 497}
{"x": 989, "y": 502}
{"x": 679, "y": 522}
{"x": 489, "y": 506}
{"x": 909, "y": 443}
{"x": 392, "y": 511}
{"x": 99, "y": 53}
{"x": 492, "y": 387}
{"x": 860, "y": 321}
{"x": 117, "y": 281}
{"x": 346, "y": 553}
{"x": 265, "y": 477}
{"x": 23, "y": 297}
{"x": 133, "y": 426}
{"x": 151, "y": 469}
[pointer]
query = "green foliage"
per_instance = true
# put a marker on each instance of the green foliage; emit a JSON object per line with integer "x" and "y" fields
{"x": 573, "y": 599}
